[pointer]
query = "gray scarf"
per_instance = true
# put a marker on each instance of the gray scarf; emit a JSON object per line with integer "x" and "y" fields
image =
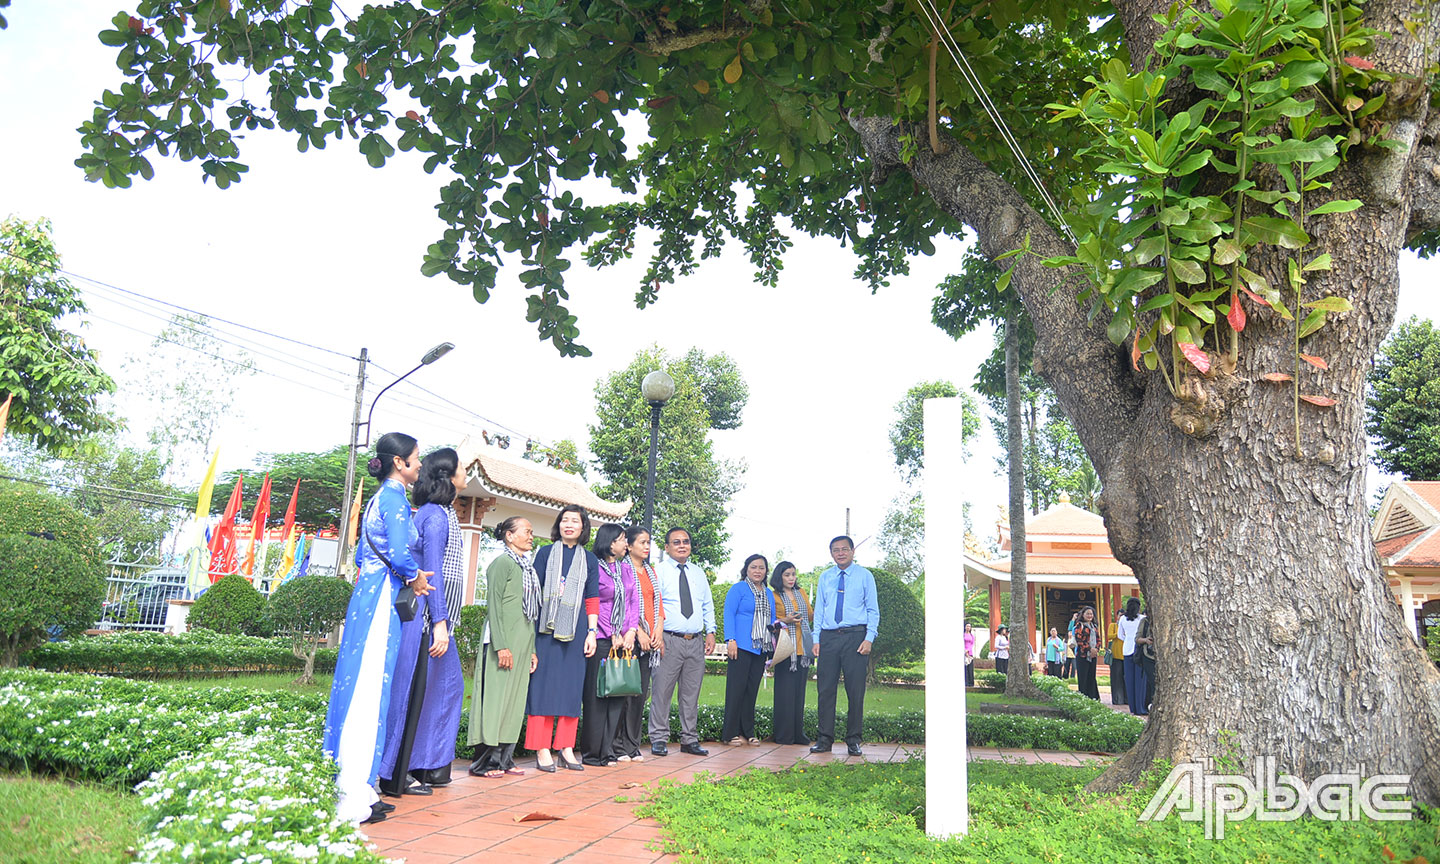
{"x": 530, "y": 598}
{"x": 452, "y": 567}
{"x": 760, "y": 634}
{"x": 560, "y": 614}
{"x": 801, "y": 657}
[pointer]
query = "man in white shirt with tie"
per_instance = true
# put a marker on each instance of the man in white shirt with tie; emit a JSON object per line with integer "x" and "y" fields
{"x": 689, "y": 635}
{"x": 847, "y": 616}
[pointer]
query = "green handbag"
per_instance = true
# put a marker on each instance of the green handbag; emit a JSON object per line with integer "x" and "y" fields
{"x": 619, "y": 675}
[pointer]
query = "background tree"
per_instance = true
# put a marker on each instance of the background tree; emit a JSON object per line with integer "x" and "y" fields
{"x": 693, "y": 488}
{"x": 56, "y": 381}
{"x": 231, "y": 606}
{"x": 1404, "y": 402}
{"x": 322, "y": 485}
{"x": 746, "y": 135}
{"x": 307, "y": 610}
{"x": 188, "y": 380}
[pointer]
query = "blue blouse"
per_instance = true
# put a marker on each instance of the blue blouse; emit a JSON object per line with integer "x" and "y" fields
{"x": 433, "y": 534}
{"x": 740, "y": 616}
{"x": 388, "y": 525}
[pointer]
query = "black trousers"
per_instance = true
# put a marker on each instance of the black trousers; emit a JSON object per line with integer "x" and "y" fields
{"x": 631, "y": 732}
{"x": 395, "y": 784}
{"x": 1117, "y": 682}
{"x": 1069, "y": 669}
{"x": 742, "y": 685}
{"x": 1002, "y": 665}
{"x": 1085, "y": 671}
{"x": 599, "y": 718}
{"x": 790, "y": 703}
{"x": 970, "y": 674}
{"x": 838, "y": 655}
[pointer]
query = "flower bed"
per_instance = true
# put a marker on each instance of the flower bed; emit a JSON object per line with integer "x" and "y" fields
{"x": 231, "y": 773}
{"x": 154, "y": 655}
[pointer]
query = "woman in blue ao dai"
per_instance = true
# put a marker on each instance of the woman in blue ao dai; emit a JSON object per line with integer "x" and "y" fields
{"x": 360, "y": 695}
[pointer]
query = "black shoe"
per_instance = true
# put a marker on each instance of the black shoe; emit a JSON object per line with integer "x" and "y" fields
{"x": 382, "y": 807}
{"x": 694, "y": 750}
{"x": 573, "y": 766}
{"x": 854, "y": 750}
{"x": 548, "y": 769}
{"x": 419, "y": 789}
{"x": 659, "y": 750}
{"x": 819, "y": 748}
{"x": 374, "y": 817}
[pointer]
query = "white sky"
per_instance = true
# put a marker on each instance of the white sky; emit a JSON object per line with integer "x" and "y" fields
{"x": 321, "y": 247}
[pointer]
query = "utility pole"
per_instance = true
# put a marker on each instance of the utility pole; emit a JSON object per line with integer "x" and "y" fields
{"x": 847, "y": 521}
{"x": 349, "y": 498}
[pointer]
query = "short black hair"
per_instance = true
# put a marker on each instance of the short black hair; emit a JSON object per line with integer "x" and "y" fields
{"x": 1132, "y": 608}
{"x": 584, "y": 538}
{"x": 433, "y": 486}
{"x": 672, "y": 531}
{"x": 604, "y": 539}
{"x": 846, "y": 538}
{"x": 633, "y": 533}
{"x": 777, "y": 579}
{"x": 746, "y": 567}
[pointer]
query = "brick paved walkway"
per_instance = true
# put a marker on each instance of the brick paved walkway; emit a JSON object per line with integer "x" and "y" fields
{"x": 474, "y": 820}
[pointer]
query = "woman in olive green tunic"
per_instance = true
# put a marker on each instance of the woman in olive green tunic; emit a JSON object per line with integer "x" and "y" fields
{"x": 507, "y": 657}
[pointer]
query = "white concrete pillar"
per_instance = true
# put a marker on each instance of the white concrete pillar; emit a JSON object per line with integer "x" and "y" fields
{"x": 1407, "y": 604}
{"x": 947, "y": 802}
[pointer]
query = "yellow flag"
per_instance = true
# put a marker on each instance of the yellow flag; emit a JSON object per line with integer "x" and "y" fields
{"x": 355, "y": 512}
{"x": 198, "y": 551}
{"x": 202, "y": 506}
{"x": 287, "y": 563}
{"x": 5, "y": 413}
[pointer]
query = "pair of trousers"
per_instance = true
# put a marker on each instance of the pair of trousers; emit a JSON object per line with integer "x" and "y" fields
{"x": 1069, "y": 669}
{"x": 399, "y": 779}
{"x": 538, "y": 732}
{"x": 789, "y": 716}
{"x": 627, "y": 739}
{"x": 600, "y": 718}
{"x": 838, "y": 655}
{"x": 1002, "y": 665}
{"x": 1052, "y": 668}
{"x": 682, "y": 667}
{"x": 1137, "y": 684}
{"x": 493, "y": 757}
{"x": 742, "y": 685}
{"x": 1085, "y": 671}
{"x": 1117, "y": 681}
{"x": 970, "y": 674}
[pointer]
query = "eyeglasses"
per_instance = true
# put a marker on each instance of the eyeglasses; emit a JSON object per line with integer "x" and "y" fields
{"x": 679, "y": 542}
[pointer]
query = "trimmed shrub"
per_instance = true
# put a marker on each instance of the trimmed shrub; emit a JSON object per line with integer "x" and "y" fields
{"x": 467, "y": 635}
{"x": 305, "y": 611}
{"x": 718, "y": 590}
{"x": 902, "y": 623}
{"x": 231, "y": 606}
{"x": 43, "y": 585}
{"x": 51, "y": 570}
{"x": 144, "y": 654}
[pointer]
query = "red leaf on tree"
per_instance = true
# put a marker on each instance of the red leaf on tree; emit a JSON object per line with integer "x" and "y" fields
{"x": 601, "y": 96}
{"x": 134, "y": 24}
{"x": 1135, "y": 351}
{"x": 1277, "y": 377}
{"x": 1385, "y": 850}
{"x": 1359, "y": 63}
{"x": 658, "y": 101}
{"x": 544, "y": 217}
{"x": 1253, "y": 296}
{"x": 413, "y": 115}
{"x": 1322, "y": 401}
{"x": 1196, "y": 355}
{"x": 1237, "y": 313}
{"x": 1317, "y": 362}
{"x": 361, "y": 67}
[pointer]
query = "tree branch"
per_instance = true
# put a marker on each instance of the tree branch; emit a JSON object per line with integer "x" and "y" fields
{"x": 1091, "y": 377}
{"x": 1425, "y": 187}
{"x": 731, "y": 27}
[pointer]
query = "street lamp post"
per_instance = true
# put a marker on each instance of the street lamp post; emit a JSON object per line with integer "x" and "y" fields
{"x": 430, "y": 357}
{"x": 657, "y": 389}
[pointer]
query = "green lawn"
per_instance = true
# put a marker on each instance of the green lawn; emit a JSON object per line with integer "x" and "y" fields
{"x": 712, "y": 692}
{"x": 45, "y": 821}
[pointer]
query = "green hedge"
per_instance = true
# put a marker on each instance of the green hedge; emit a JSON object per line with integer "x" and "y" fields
{"x": 153, "y": 655}
{"x": 233, "y": 775}
{"x": 232, "y": 606}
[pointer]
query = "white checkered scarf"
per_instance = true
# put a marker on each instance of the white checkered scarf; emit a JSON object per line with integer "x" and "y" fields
{"x": 452, "y": 567}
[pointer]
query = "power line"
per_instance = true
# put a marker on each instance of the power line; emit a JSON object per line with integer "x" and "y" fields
{"x": 118, "y": 495}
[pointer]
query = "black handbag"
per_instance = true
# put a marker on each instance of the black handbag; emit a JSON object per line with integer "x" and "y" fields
{"x": 406, "y": 603}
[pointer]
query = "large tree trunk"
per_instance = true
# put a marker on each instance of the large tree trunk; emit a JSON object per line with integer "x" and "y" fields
{"x": 1276, "y": 632}
{"x": 1017, "y": 679}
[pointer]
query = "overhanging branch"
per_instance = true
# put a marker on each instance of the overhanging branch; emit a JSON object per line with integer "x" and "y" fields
{"x": 670, "y": 42}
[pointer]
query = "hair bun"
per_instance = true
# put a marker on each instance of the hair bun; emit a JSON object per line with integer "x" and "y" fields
{"x": 374, "y": 466}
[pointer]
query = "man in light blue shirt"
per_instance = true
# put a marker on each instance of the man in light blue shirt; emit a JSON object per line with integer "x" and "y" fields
{"x": 847, "y": 618}
{"x": 688, "y": 636}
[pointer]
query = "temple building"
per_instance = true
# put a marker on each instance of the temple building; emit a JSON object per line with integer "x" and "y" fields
{"x": 1407, "y": 542}
{"x": 1068, "y": 566}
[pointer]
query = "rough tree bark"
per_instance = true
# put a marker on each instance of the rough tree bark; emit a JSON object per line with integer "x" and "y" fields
{"x": 1017, "y": 679}
{"x": 1274, "y": 624}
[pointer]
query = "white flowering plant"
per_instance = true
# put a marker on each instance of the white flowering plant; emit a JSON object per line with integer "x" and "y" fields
{"x": 229, "y": 775}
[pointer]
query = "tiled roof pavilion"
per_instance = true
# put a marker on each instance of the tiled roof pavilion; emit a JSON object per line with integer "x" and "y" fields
{"x": 1407, "y": 542}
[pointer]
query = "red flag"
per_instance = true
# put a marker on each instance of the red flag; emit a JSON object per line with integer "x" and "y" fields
{"x": 257, "y": 526}
{"x": 290, "y": 513}
{"x": 223, "y": 553}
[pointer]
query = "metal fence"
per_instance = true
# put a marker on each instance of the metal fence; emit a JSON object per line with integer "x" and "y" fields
{"x": 138, "y": 593}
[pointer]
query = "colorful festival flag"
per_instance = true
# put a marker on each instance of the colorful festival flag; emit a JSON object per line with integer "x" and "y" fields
{"x": 287, "y": 562}
{"x": 299, "y": 558}
{"x": 290, "y": 514}
{"x": 224, "y": 554}
{"x": 257, "y": 527}
{"x": 198, "y": 552}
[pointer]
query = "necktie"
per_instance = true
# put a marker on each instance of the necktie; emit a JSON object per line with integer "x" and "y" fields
{"x": 839, "y": 598}
{"x": 687, "y": 606}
